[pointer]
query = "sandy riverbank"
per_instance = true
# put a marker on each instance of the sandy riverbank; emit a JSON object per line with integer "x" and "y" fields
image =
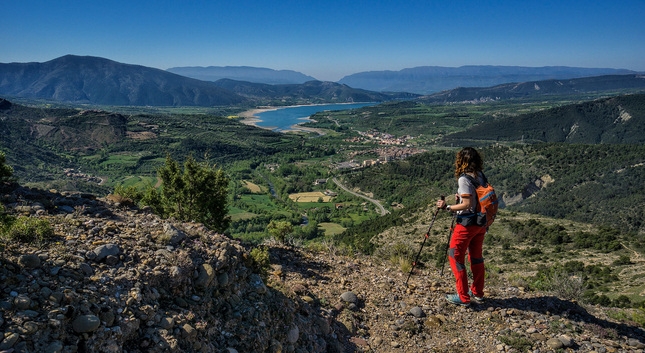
{"x": 250, "y": 117}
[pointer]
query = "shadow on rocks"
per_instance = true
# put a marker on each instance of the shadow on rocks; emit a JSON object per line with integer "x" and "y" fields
{"x": 551, "y": 305}
{"x": 293, "y": 261}
{"x": 28, "y": 200}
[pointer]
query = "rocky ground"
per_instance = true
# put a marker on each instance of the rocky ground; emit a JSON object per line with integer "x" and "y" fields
{"x": 116, "y": 278}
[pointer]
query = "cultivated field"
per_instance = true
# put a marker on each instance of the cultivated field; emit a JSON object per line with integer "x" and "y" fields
{"x": 309, "y": 197}
{"x": 254, "y": 188}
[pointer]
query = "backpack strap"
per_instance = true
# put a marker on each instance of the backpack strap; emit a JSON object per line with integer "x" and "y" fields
{"x": 474, "y": 181}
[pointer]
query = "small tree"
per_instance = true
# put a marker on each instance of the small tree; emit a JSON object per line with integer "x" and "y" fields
{"x": 5, "y": 170}
{"x": 198, "y": 192}
{"x": 280, "y": 229}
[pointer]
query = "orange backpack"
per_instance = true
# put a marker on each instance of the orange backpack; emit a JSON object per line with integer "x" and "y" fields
{"x": 487, "y": 203}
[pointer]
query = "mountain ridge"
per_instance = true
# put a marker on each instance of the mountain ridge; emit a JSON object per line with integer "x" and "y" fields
{"x": 95, "y": 80}
{"x": 242, "y": 73}
{"x": 614, "y": 120}
{"x": 533, "y": 89}
{"x": 323, "y": 91}
{"x": 430, "y": 79}
{"x": 88, "y": 79}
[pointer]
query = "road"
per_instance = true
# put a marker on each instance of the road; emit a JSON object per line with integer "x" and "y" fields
{"x": 382, "y": 209}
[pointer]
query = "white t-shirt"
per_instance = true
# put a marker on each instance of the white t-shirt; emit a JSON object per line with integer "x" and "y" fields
{"x": 465, "y": 187}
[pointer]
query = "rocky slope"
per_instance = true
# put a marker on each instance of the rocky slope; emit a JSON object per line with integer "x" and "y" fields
{"x": 119, "y": 279}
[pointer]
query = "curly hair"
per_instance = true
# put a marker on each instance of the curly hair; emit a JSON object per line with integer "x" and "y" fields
{"x": 468, "y": 161}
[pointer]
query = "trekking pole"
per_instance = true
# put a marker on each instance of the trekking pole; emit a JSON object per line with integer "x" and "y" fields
{"x": 414, "y": 263}
{"x": 445, "y": 253}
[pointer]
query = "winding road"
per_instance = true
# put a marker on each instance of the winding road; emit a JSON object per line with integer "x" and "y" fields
{"x": 382, "y": 209}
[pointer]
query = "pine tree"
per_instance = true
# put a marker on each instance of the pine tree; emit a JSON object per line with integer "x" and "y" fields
{"x": 198, "y": 192}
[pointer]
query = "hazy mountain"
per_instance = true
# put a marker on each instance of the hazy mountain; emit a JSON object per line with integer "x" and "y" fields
{"x": 430, "y": 79}
{"x": 619, "y": 119}
{"x": 576, "y": 86}
{"x": 242, "y": 73}
{"x": 86, "y": 79}
{"x": 324, "y": 91}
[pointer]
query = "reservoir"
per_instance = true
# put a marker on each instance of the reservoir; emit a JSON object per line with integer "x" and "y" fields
{"x": 282, "y": 119}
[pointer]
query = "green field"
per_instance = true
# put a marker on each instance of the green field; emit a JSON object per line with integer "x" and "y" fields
{"x": 331, "y": 228}
{"x": 239, "y": 214}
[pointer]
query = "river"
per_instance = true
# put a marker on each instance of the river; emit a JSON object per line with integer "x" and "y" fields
{"x": 286, "y": 119}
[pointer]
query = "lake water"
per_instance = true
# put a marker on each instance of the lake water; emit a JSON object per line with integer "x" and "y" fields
{"x": 283, "y": 118}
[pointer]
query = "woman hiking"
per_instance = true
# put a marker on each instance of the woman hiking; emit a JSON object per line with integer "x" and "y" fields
{"x": 467, "y": 236}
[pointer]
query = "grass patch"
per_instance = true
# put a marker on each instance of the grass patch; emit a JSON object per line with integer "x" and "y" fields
{"x": 26, "y": 229}
{"x": 120, "y": 160}
{"x": 239, "y": 214}
{"x": 331, "y": 228}
{"x": 262, "y": 204}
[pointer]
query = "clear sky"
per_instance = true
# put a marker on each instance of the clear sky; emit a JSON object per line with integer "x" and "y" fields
{"x": 329, "y": 39}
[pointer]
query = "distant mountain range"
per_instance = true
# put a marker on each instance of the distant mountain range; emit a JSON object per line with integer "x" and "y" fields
{"x": 93, "y": 80}
{"x": 525, "y": 90}
{"x": 431, "y": 79}
{"x": 315, "y": 91}
{"x": 242, "y": 73}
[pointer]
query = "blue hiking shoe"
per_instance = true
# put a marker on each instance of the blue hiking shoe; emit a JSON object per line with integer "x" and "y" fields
{"x": 454, "y": 299}
{"x": 475, "y": 298}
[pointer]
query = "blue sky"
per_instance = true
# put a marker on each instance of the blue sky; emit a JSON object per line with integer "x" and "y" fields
{"x": 329, "y": 39}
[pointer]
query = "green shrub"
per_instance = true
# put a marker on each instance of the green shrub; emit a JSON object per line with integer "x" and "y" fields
{"x": 28, "y": 229}
{"x": 567, "y": 287}
{"x": 639, "y": 317}
{"x": 261, "y": 261}
{"x": 517, "y": 341}
{"x": 528, "y": 252}
{"x": 195, "y": 192}
{"x": 280, "y": 229}
{"x": 622, "y": 260}
{"x": 5, "y": 219}
{"x": 128, "y": 192}
{"x": 5, "y": 170}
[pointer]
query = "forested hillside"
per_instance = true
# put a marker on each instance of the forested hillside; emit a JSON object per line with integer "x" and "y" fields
{"x": 546, "y": 89}
{"x": 600, "y": 184}
{"x": 619, "y": 119}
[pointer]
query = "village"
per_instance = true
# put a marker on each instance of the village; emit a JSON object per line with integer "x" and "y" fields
{"x": 76, "y": 174}
{"x": 394, "y": 148}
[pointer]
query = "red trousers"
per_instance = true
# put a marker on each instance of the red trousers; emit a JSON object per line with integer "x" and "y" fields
{"x": 467, "y": 239}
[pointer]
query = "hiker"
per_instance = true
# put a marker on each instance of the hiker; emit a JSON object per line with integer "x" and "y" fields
{"x": 466, "y": 234}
